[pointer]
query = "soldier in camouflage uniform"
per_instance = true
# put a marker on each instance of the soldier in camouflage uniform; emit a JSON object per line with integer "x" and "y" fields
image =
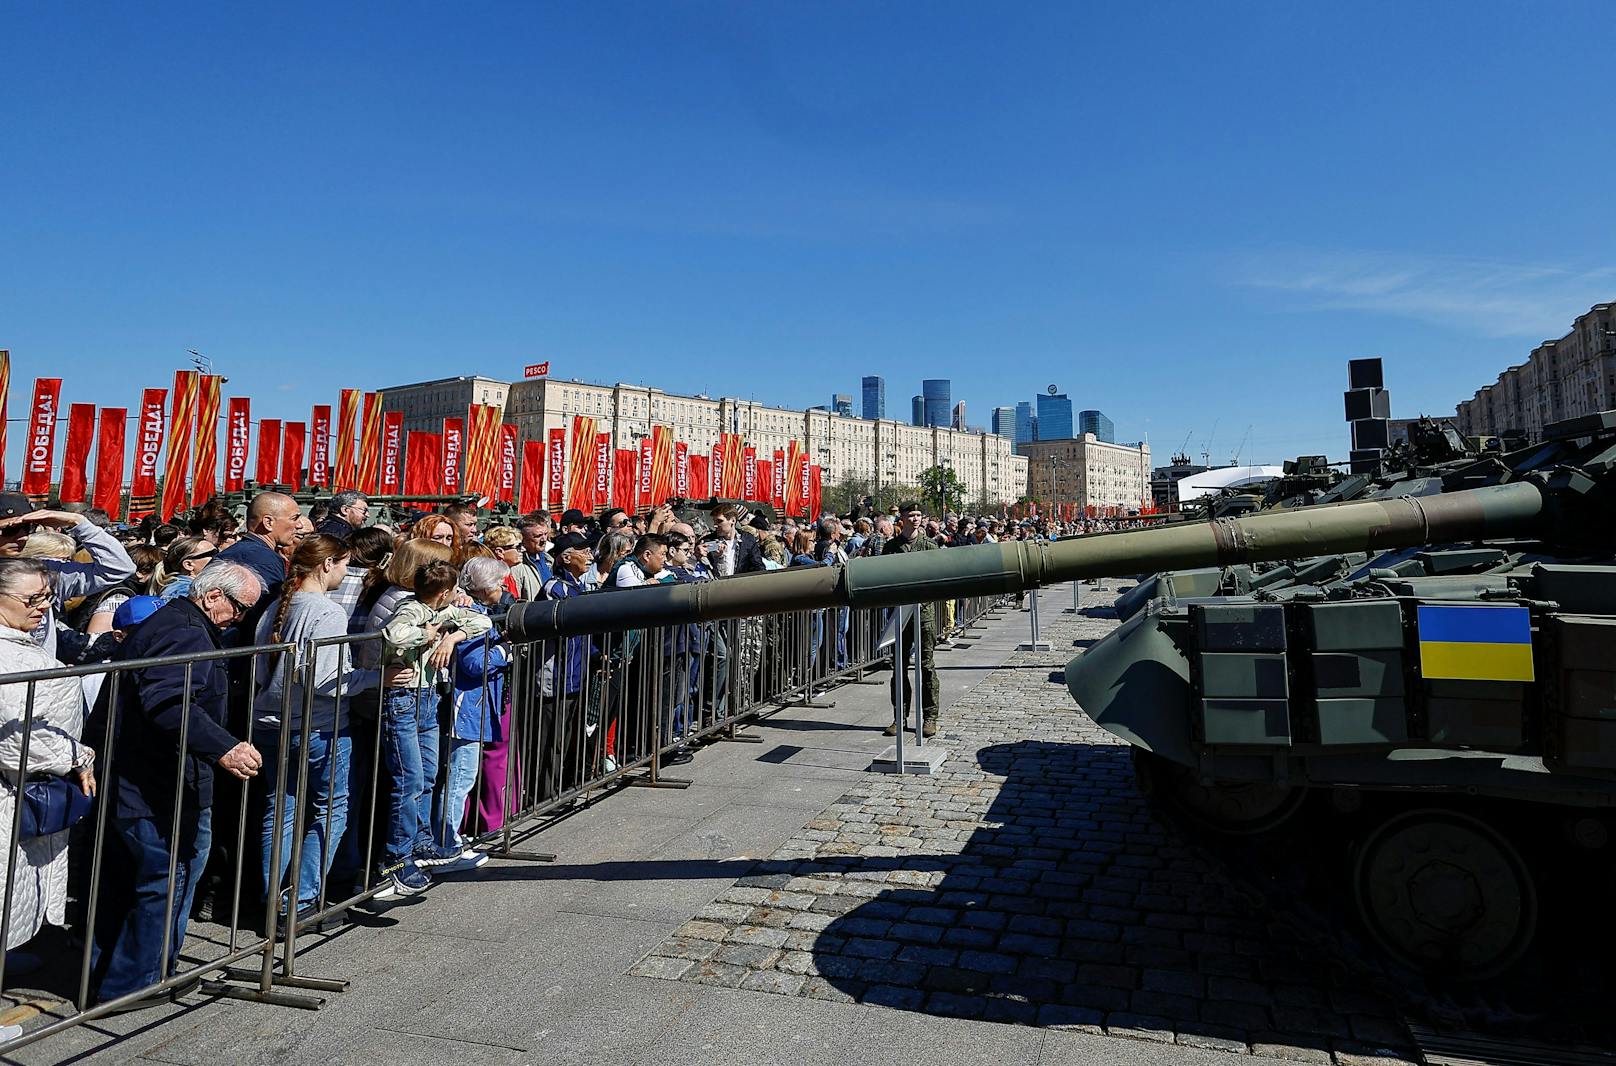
{"x": 910, "y": 538}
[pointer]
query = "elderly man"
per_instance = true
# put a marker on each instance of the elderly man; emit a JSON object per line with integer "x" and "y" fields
{"x": 534, "y": 569}
{"x": 109, "y": 563}
{"x": 157, "y": 706}
{"x": 348, "y": 512}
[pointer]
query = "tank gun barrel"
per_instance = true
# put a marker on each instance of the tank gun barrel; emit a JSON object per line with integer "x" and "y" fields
{"x": 994, "y": 569}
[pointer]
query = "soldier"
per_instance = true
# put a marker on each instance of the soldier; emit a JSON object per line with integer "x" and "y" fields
{"x": 909, "y": 538}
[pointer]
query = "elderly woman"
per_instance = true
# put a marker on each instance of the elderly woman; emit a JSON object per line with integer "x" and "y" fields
{"x": 506, "y": 545}
{"x": 46, "y": 719}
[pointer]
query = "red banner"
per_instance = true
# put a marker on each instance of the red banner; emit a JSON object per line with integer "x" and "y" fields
{"x": 479, "y": 455}
{"x": 661, "y": 464}
{"x": 531, "y": 496}
{"x": 625, "y": 478}
{"x": 423, "y": 464}
{"x": 345, "y": 471}
{"x": 507, "y": 463}
{"x": 205, "y": 481}
{"x": 108, "y": 494}
{"x": 681, "y": 469}
{"x": 643, "y": 484}
{"x": 556, "y": 460}
{"x": 392, "y": 450}
{"x": 796, "y": 479}
{"x": 814, "y": 476}
{"x": 237, "y": 443}
{"x": 603, "y": 469}
{"x": 269, "y": 451}
{"x": 777, "y": 482}
{"x": 294, "y": 435}
{"x": 5, "y": 391}
{"x": 148, "y": 446}
{"x": 40, "y": 452}
{"x": 76, "y": 452}
{"x": 716, "y": 468}
{"x": 454, "y": 439}
{"x": 749, "y": 473}
{"x": 765, "y": 480}
{"x": 733, "y": 482}
{"x": 370, "y": 443}
{"x": 806, "y": 487}
{"x": 700, "y": 486}
{"x": 182, "y": 426}
{"x": 581, "y": 468}
{"x": 319, "y": 446}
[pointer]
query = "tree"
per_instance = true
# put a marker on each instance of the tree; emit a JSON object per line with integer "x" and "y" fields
{"x": 940, "y": 485}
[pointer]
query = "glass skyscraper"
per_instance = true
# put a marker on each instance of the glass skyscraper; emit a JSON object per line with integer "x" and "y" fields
{"x": 875, "y": 397}
{"x": 1026, "y": 423}
{"x": 939, "y": 398}
{"x": 917, "y": 411}
{"x": 1054, "y": 417}
{"x": 842, "y": 404}
{"x": 1096, "y": 423}
{"x": 1004, "y": 422}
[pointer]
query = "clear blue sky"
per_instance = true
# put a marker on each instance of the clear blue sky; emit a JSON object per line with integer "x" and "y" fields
{"x": 1180, "y": 213}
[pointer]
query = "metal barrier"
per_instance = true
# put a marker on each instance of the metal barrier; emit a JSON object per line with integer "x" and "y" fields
{"x": 555, "y": 722}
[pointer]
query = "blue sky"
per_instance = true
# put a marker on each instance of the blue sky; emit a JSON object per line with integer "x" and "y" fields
{"x": 1186, "y": 215}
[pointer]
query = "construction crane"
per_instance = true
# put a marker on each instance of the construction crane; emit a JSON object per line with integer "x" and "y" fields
{"x": 1206, "y": 452}
{"x": 1234, "y": 460}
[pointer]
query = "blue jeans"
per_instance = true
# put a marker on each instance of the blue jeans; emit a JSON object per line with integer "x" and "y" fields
{"x": 410, "y": 755}
{"x": 325, "y": 817}
{"x": 459, "y": 779}
{"x": 132, "y": 953}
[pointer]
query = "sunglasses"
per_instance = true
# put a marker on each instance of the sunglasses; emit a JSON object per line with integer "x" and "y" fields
{"x": 202, "y": 555}
{"x": 241, "y": 608}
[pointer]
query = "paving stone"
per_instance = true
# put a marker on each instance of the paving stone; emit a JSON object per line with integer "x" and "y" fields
{"x": 784, "y": 984}
{"x": 752, "y": 956}
{"x": 664, "y": 968}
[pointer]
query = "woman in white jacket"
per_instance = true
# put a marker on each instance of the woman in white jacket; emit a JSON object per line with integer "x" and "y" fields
{"x": 38, "y": 873}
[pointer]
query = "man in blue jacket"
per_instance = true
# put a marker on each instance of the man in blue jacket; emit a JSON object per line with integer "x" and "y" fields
{"x": 157, "y": 706}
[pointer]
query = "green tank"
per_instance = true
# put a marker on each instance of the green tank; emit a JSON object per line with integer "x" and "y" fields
{"x": 1456, "y": 710}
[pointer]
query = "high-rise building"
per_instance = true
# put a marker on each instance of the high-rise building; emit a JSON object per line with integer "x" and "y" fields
{"x": 1054, "y": 416}
{"x": 842, "y": 404}
{"x": 1096, "y": 423}
{"x": 939, "y": 397}
{"x": 1004, "y": 421}
{"x": 875, "y": 398}
{"x": 959, "y": 415}
{"x": 1026, "y": 423}
{"x": 917, "y": 411}
{"x": 1564, "y": 378}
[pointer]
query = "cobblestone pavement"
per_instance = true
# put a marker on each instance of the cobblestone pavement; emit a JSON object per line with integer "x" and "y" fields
{"x": 1027, "y": 882}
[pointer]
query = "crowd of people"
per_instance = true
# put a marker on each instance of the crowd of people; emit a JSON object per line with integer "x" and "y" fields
{"x": 257, "y": 649}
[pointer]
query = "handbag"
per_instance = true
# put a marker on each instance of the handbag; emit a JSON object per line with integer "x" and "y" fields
{"x": 51, "y": 804}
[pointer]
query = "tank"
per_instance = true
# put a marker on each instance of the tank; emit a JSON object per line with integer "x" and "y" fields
{"x": 1452, "y": 707}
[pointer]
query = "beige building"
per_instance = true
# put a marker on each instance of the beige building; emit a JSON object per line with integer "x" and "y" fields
{"x": 886, "y": 452}
{"x": 1575, "y": 375}
{"x": 1088, "y": 472}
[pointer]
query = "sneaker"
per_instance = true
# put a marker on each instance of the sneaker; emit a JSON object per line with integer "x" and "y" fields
{"x": 430, "y": 855}
{"x": 469, "y": 859}
{"x": 677, "y": 757}
{"x": 397, "y": 882}
{"x": 609, "y": 765}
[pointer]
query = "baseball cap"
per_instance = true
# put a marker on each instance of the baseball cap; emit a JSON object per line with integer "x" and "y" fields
{"x": 573, "y": 517}
{"x": 567, "y": 541}
{"x": 135, "y": 610}
{"x": 14, "y": 505}
{"x": 759, "y": 522}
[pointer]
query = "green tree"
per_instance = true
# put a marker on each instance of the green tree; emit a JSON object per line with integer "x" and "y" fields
{"x": 941, "y": 486}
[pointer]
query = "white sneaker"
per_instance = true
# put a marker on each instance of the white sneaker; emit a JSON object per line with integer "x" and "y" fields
{"x": 610, "y": 765}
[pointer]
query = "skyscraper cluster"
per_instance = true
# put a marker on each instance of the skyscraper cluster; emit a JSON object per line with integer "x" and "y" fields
{"x": 1048, "y": 417}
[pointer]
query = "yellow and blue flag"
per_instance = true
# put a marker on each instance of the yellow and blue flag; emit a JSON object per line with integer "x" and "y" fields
{"x": 1475, "y": 642}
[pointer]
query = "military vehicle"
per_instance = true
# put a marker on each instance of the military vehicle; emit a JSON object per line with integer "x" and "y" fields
{"x": 1458, "y": 705}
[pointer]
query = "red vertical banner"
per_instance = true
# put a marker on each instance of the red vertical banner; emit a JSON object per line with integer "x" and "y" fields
{"x": 625, "y": 478}
{"x": 39, "y": 452}
{"x": 681, "y": 469}
{"x": 319, "y": 445}
{"x": 661, "y": 464}
{"x": 148, "y": 446}
{"x": 507, "y": 463}
{"x": 269, "y": 451}
{"x": 182, "y": 425}
{"x": 205, "y": 481}
{"x": 796, "y": 479}
{"x": 777, "y": 483}
{"x": 734, "y": 483}
{"x": 700, "y": 486}
{"x": 475, "y": 453}
{"x": 814, "y": 489}
{"x": 423, "y": 464}
{"x": 749, "y": 474}
{"x": 765, "y": 480}
{"x": 644, "y": 482}
{"x": 344, "y": 471}
{"x": 603, "y": 469}
{"x": 76, "y": 452}
{"x": 392, "y": 452}
{"x": 581, "y": 468}
{"x": 806, "y": 483}
{"x": 555, "y": 477}
{"x": 370, "y": 443}
{"x": 454, "y": 439}
{"x": 108, "y": 494}
{"x": 715, "y": 469}
{"x": 5, "y": 391}
{"x": 237, "y": 443}
{"x": 530, "y": 498}
{"x": 294, "y": 436}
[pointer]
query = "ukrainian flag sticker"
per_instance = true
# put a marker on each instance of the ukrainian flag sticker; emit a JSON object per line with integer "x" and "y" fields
{"x": 1475, "y": 642}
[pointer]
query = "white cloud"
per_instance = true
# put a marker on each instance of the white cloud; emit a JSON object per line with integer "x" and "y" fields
{"x": 1488, "y": 297}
